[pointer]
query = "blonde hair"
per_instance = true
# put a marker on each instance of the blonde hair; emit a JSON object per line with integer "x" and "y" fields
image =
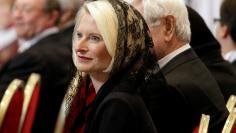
{"x": 106, "y": 20}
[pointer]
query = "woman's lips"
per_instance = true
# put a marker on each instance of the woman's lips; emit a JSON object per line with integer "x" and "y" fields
{"x": 84, "y": 59}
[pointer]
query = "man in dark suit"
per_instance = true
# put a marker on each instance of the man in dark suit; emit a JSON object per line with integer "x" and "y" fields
{"x": 183, "y": 70}
{"x": 226, "y": 30}
{"x": 42, "y": 51}
{"x": 208, "y": 49}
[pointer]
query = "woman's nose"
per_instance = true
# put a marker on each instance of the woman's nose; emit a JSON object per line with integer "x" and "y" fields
{"x": 82, "y": 45}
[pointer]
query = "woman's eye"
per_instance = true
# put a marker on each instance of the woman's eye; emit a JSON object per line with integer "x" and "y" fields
{"x": 79, "y": 35}
{"x": 94, "y": 38}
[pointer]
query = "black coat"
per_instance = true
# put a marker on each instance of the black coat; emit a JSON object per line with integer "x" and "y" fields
{"x": 200, "y": 92}
{"x": 222, "y": 71}
{"x": 119, "y": 108}
{"x": 52, "y": 59}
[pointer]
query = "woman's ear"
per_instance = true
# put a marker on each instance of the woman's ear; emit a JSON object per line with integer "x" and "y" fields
{"x": 170, "y": 27}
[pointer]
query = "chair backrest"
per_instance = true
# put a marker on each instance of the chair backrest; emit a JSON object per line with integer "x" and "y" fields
{"x": 204, "y": 123}
{"x": 230, "y": 122}
{"x": 11, "y": 107}
{"x": 231, "y": 103}
{"x": 59, "y": 127}
{"x": 31, "y": 92}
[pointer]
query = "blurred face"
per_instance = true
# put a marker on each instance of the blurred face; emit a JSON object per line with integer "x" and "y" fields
{"x": 30, "y": 18}
{"x": 91, "y": 53}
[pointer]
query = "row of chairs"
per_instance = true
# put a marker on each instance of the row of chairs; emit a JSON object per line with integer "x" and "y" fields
{"x": 230, "y": 125}
{"x": 18, "y": 105}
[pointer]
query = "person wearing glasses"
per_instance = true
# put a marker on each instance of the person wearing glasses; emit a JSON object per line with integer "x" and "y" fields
{"x": 226, "y": 31}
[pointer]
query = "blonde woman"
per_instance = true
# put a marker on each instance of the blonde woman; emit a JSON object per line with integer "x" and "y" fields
{"x": 112, "y": 53}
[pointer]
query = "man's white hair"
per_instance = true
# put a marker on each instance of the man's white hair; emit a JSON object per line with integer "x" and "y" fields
{"x": 156, "y": 9}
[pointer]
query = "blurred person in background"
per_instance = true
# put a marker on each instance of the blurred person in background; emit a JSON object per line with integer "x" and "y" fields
{"x": 41, "y": 50}
{"x": 69, "y": 10}
{"x": 226, "y": 30}
{"x": 208, "y": 49}
{"x": 8, "y": 37}
{"x": 67, "y": 19}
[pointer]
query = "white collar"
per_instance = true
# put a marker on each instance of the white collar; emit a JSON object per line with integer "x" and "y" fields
{"x": 26, "y": 44}
{"x": 7, "y": 37}
{"x": 230, "y": 56}
{"x": 163, "y": 61}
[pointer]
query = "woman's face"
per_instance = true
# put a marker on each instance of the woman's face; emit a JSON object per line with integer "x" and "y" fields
{"x": 91, "y": 53}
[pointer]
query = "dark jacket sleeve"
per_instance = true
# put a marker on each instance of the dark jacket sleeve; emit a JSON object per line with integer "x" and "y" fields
{"x": 166, "y": 105}
{"x": 19, "y": 67}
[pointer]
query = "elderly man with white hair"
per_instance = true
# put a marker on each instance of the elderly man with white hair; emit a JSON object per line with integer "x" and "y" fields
{"x": 170, "y": 28}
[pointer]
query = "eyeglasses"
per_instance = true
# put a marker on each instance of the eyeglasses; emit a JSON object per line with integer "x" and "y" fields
{"x": 216, "y": 20}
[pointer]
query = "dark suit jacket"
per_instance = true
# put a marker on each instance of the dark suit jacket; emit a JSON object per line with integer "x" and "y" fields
{"x": 52, "y": 59}
{"x": 222, "y": 71}
{"x": 190, "y": 77}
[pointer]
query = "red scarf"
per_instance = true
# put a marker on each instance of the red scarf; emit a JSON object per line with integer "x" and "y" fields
{"x": 80, "y": 109}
